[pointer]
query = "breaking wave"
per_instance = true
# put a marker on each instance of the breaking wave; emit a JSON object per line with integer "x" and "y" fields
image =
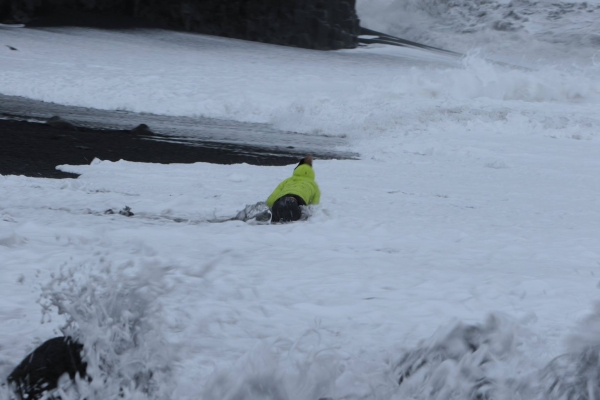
{"x": 539, "y": 31}
{"x": 491, "y": 360}
{"x": 113, "y": 310}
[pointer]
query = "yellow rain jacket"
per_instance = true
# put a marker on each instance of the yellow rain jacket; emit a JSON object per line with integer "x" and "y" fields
{"x": 302, "y": 183}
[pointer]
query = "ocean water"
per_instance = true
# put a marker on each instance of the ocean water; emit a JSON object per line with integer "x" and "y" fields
{"x": 535, "y": 32}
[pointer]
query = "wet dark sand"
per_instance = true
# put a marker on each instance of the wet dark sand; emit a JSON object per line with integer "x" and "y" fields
{"x": 35, "y": 149}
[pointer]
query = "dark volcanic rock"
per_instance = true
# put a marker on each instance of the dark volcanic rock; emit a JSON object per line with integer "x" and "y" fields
{"x": 40, "y": 370}
{"x": 142, "y": 129}
{"x": 34, "y": 149}
{"x": 314, "y": 24}
{"x": 58, "y": 122}
{"x": 126, "y": 211}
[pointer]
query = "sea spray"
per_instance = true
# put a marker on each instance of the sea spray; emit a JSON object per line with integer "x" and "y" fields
{"x": 533, "y": 31}
{"x": 281, "y": 369}
{"x": 462, "y": 361}
{"x": 113, "y": 309}
{"x": 576, "y": 374}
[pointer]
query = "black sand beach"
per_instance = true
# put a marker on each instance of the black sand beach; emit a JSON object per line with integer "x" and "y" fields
{"x": 35, "y": 149}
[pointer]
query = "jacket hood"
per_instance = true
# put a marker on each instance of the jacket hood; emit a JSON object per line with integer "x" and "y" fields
{"x": 305, "y": 171}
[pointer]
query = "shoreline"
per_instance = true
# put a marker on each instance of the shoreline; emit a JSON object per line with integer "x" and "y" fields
{"x": 32, "y": 144}
{"x": 35, "y": 149}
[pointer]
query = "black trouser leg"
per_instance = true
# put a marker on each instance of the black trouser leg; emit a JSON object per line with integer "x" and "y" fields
{"x": 286, "y": 209}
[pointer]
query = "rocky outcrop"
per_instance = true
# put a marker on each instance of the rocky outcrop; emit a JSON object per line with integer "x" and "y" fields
{"x": 312, "y": 24}
{"x": 40, "y": 371}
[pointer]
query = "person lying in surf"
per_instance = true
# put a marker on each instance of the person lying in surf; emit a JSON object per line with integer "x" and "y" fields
{"x": 299, "y": 190}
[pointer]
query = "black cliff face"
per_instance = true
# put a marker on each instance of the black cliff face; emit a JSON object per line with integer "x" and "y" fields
{"x": 312, "y": 24}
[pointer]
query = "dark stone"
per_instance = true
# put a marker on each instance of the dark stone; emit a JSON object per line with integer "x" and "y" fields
{"x": 58, "y": 122}
{"x": 142, "y": 129}
{"x": 270, "y": 21}
{"x": 126, "y": 211}
{"x": 40, "y": 371}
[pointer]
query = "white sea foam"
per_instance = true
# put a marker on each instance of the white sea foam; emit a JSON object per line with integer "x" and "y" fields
{"x": 533, "y": 32}
{"x": 361, "y": 94}
{"x": 472, "y": 210}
